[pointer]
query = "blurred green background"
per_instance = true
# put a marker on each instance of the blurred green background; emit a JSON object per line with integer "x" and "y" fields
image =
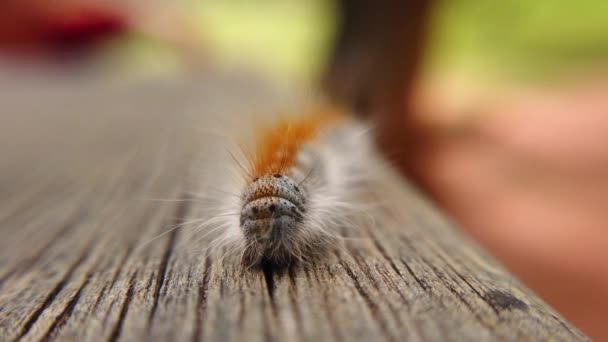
{"x": 288, "y": 38}
{"x": 514, "y": 39}
{"x": 519, "y": 38}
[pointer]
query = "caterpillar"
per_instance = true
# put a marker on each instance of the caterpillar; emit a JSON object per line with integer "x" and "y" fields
{"x": 296, "y": 188}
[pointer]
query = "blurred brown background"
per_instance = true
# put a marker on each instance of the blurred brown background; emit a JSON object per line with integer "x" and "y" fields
{"x": 497, "y": 109}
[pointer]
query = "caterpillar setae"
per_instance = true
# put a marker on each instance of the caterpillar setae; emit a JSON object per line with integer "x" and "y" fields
{"x": 296, "y": 188}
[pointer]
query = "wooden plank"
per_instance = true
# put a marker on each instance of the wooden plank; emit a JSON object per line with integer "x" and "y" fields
{"x": 75, "y": 265}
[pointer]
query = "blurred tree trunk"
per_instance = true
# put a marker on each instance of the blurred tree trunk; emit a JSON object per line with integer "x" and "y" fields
{"x": 375, "y": 60}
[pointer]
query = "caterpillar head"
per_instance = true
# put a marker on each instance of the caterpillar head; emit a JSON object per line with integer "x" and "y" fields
{"x": 272, "y": 213}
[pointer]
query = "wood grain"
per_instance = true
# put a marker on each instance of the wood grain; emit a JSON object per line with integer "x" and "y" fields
{"x": 83, "y": 164}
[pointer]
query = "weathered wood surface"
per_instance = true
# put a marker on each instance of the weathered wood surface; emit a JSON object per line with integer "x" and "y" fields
{"x": 77, "y": 203}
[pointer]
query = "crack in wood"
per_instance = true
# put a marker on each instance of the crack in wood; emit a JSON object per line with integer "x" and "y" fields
{"x": 27, "y": 263}
{"x": 333, "y": 326}
{"x": 160, "y": 276}
{"x": 447, "y": 283}
{"x": 50, "y": 298}
{"x": 366, "y": 269}
{"x": 461, "y": 276}
{"x": 371, "y": 305}
{"x": 201, "y": 307}
{"x": 265, "y": 319}
{"x": 100, "y": 296}
{"x": 292, "y": 294}
{"x": 62, "y": 319}
{"x": 242, "y": 309}
{"x": 123, "y": 310}
{"x": 423, "y": 285}
{"x": 182, "y": 211}
{"x": 385, "y": 255}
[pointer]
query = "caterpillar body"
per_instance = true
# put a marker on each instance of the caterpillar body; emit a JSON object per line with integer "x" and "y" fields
{"x": 296, "y": 190}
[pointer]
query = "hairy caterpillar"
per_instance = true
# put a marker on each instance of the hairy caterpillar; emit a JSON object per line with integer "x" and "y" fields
{"x": 295, "y": 189}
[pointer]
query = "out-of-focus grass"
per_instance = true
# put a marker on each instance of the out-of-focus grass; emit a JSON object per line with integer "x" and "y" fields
{"x": 288, "y": 39}
{"x": 514, "y": 39}
{"x": 519, "y": 39}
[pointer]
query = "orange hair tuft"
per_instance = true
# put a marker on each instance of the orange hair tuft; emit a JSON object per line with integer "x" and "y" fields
{"x": 279, "y": 145}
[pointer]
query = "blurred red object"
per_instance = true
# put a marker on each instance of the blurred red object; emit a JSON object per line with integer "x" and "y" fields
{"x": 36, "y": 28}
